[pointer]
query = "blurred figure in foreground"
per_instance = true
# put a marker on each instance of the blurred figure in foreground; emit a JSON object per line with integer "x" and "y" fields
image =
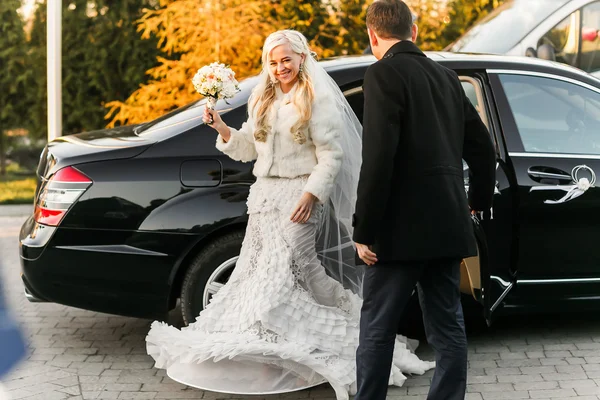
{"x": 12, "y": 343}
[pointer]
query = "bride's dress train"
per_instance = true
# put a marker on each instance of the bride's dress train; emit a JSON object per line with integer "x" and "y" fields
{"x": 281, "y": 323}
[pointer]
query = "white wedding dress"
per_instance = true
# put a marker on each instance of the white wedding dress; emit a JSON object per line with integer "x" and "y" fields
{"x": 281, "y": 323}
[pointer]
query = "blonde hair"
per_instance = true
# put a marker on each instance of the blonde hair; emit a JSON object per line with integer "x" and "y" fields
{"x": 264, "y": 93}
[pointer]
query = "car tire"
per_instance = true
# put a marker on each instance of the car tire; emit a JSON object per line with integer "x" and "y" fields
{"x": 212, "y": 263}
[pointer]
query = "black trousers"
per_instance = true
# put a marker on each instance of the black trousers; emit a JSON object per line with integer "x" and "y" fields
{"x": 386, "y": 291}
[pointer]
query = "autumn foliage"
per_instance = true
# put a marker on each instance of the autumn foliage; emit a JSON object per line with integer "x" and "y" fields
{"x": 193, "y": 33}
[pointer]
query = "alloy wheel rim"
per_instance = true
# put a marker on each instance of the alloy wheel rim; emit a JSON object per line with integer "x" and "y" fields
{"x": 217, "y": 280}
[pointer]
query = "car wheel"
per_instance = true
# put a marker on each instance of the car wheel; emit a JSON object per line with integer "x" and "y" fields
{"x": 207, "y": 273}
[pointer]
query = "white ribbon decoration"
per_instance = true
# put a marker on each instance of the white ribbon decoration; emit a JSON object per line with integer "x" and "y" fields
{"x": 579, "y": 187}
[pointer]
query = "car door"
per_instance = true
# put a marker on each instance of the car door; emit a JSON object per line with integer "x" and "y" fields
{"x": 552, "y": 127}
{"x": 490, "y": 273}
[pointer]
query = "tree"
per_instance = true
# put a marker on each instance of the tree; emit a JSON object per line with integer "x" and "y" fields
{"x": 13, "y": 58}
{"x": 37, "y": 81}
{"x": 352, "y": 37}
{"x": 233, "y": 32}
{"x": 316, "y": 19}
{"x": 441, "y": 22}
{"x": 432, "y": 21}
{"x": 103, "y": 58}
{"x": 202, "y": 31}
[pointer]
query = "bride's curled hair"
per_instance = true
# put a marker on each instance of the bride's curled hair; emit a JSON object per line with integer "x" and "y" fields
{"x": 264, "y": 93}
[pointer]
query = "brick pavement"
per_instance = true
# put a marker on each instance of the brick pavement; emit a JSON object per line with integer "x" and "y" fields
{"x": 76, "y": 354}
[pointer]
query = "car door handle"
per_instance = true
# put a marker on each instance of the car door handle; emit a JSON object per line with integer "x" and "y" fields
{"x": 578, "y": 184}
{"x": 539, "y": 173}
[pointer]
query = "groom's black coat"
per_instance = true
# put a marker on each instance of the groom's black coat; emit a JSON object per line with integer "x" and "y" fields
{"x": 418, "y": 126}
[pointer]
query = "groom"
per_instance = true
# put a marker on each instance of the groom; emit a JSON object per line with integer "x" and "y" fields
{"x": 412, "y": 225}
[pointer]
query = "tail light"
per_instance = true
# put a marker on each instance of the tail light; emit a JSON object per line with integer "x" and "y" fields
{"x": 58, "y": 194}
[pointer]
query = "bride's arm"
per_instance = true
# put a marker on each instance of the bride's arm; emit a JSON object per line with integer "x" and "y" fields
{"x": 240, "y": 143}
{"x": 325, "y": 133}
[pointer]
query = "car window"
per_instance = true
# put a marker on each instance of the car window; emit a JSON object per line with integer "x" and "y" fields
{"x": 554, "y": 116}
{"x": 469, "y": 89}
{"x": 563, "y": 39}
{"x": 473, "y": 91}
{"x": 505, "y": 27}
{"x": 590, "y": 42}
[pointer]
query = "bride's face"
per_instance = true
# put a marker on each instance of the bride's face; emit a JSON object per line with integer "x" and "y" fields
{"x": 285, "y": 64}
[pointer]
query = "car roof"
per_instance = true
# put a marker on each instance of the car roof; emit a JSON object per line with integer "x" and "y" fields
{"x": 473, "y": 61}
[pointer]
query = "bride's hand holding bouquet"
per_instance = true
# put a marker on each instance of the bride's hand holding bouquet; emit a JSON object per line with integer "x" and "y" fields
{"x": 216, "y": 82}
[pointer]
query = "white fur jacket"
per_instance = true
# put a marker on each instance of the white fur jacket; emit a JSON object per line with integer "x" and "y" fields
{"x": 280, "y": 156}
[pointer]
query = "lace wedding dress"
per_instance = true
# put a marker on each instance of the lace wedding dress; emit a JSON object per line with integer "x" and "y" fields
{"x": 281, "y": 323}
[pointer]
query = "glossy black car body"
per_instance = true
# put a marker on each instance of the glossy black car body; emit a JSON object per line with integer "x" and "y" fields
{"x": 163, "y": 213}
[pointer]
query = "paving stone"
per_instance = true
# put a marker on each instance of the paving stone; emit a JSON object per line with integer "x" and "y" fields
{"x": 543, "y": 385}
{"x": 551, "y": 393}
{"x": 505, "y": 395}
{"x": 78, "y": 355}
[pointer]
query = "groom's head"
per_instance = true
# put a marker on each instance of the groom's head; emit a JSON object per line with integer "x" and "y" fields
{"x": 389, "y": 21}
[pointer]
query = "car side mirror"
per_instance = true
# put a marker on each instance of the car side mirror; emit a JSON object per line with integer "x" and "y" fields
{"x": 530, "y": 52}
{"x": 546, "y": 52}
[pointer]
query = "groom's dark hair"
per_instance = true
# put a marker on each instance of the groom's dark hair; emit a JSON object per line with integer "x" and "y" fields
{"x": 390, "y": 19}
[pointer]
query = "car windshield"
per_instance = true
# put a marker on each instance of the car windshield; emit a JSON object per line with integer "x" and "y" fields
{"x": 191, "y": 114}
{"x": 506, "y": 26}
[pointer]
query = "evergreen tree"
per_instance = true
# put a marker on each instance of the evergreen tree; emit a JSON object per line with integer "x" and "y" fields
{"x": 13, "y": 55}
{"x": 103, "y": 58}
{"x": 37, "y": 81}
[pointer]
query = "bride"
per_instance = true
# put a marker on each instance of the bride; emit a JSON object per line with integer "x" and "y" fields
{"x": 282, "y": 323}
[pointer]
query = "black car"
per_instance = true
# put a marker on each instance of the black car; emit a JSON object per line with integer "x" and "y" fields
{"x": 129, "y": 220}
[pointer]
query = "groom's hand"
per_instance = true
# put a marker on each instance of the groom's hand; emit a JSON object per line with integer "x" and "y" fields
{"x": 365, "y": 254}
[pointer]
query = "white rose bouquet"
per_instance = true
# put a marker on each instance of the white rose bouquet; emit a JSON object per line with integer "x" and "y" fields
{"x": 216, "y": 82}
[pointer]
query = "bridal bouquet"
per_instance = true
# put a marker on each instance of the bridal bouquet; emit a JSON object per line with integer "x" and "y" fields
{"x": 216, "y": 82}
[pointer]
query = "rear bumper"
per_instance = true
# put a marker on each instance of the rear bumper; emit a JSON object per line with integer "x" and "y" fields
{"x": 29, "y": 295}
{"x": 32, "y": 242}
{"x": 115, "y": 272}
{"x": 34, "y": 238}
